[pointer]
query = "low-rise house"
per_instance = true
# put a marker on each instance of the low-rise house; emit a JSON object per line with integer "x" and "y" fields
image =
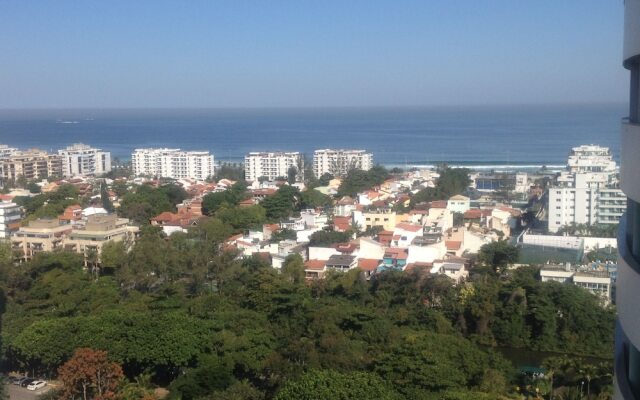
{"x": 344, "y": 207}
{"x": 556, "y": 273}
{"x": 597, "y": 282}
{"x": 368, "y": 266}
{"x": 314, "y": 269}
{"x": 341, "y": 262}
{"x": 394, "y": 258}
{"x": 458, "y": 204}
{"x": 454, "y": 270}
{"x": 404, "y": 234}
{"x": 71, "y": 214}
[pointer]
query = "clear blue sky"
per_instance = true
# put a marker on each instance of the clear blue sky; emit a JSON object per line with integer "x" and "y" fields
{"x": 271, "y": 53}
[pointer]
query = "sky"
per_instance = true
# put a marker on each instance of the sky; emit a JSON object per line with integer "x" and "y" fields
{"x": 309, "y": 53}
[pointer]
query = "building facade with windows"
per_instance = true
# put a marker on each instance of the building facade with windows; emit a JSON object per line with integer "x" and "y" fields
{"x": 339, "y": 162}
{"x": 272, "y": 165}
{"x": 31, "y": 164}
{"x": 173, "y": 163}
{"x": 82, "y": 160}
{"x": 10, "y": 216}
{"x": 627, "y": 352}
{"x": 589, "y": 192}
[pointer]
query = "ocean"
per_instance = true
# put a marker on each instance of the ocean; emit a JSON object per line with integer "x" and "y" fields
{"x": 481, "y": 137}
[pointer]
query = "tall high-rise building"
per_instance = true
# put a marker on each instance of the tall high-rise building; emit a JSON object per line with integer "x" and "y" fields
{"x": 173, "y": 163}
{"x": 273, "y": 165}
{"x": 588, "y": 193}
{"x": 339, "y": 162}
{"x": 627, "y": 357}
{"x": 82, "y": 160}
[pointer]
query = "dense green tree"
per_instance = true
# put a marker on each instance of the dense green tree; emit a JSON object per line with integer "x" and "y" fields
{"x": 452, "y": 181}
{"x": 281, "y": 204}
{"x": 231, "y": 171}
{"x": 498, "y": 255}
{"x": 327, "y": 238}
{"x": 313, "y": 199}
{"x": 104, "y": 198}
{"x": 358, "y": 180}
{"x": 328, "y": 384}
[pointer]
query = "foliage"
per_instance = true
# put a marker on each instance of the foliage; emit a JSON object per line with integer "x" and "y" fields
{"x": 231, "y": 171}
{"x": 452, "y": 181}
{"x": 104, "y": 198}
{"x": 328, "y": 384}
{"x": 89, "y": 374}
{"x": 49, "y": 205}
{"x": 146, "y": 202}
{"x": 212, "y": 202}
{"x": 327, "y": 238}
{"x": 498, "y": 255}
{"x": 281, "y": 204}
{"x": 283, "y": 234}
{"x": 208, "y": 324}
{"x": 595, "y": 230}
{"x": 313, "y": 199}
{"x": 358, "y": 180}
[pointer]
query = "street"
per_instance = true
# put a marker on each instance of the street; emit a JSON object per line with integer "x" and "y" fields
{"x": 19, "y": 393}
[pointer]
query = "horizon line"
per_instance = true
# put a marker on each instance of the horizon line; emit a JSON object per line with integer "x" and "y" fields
{"x": 312, "y": 107}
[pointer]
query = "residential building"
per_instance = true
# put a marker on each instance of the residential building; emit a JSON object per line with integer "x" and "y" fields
{"x": 173, "y": 163}
{"x": 627, "y": 350}
{"x": 40, "y": 235}
{"x": 339, "y": 162}
{"x": 341, "y": 262}
{"x": 588, "y": 193}
{"x": 6, "y": 151}
{"x": 30, "y": 164}
{"x": 10, "y": 216}
{"x": 591, "y": 158}
{"x": 459, "y": 204}
{"x": 99, "y": 230}
{"x": 82, "y": 160}
{"x": 57, "y": 234}
{"x": 272, "y": 165}
{"x": 597, "y": 282}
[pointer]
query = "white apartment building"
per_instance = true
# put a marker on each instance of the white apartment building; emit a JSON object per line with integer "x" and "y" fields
{"x": 339, "y": 162}
{"x": 591, "y": 158}
{"x": 272, "y": 165}
{"x": 6, "y": 151}
{"x": 173, "y": 163}
{"x": 82, "y": 160}
{"x": 10, "y": 215}
{"x": 588, "y": 193}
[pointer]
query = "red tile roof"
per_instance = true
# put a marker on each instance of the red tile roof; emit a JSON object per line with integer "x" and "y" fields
{"x": 368, "y": 264}
{"x": 439, "y": 204}
{"x": 409, "y": 227}
{"x": 453, "y": 244}
{"x": 316, "y": 265}
{"x": 473, "y": 213}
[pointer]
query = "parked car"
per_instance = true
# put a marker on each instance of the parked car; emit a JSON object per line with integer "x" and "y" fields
{"x": 20, "y": 380}
{"x": 15, "y": 380}
{"x": 35, "y": 385}
{"x": 27, "y": 382}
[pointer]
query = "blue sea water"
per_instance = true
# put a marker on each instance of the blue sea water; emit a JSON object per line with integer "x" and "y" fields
{"x": 520, "y": 135}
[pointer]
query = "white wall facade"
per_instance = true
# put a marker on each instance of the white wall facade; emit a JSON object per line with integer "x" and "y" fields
{"x": 272, "y": 165}
{"x": 173, "y": 163}
{"x": 339, "y": 162}
{"x": 82, "y": 160}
